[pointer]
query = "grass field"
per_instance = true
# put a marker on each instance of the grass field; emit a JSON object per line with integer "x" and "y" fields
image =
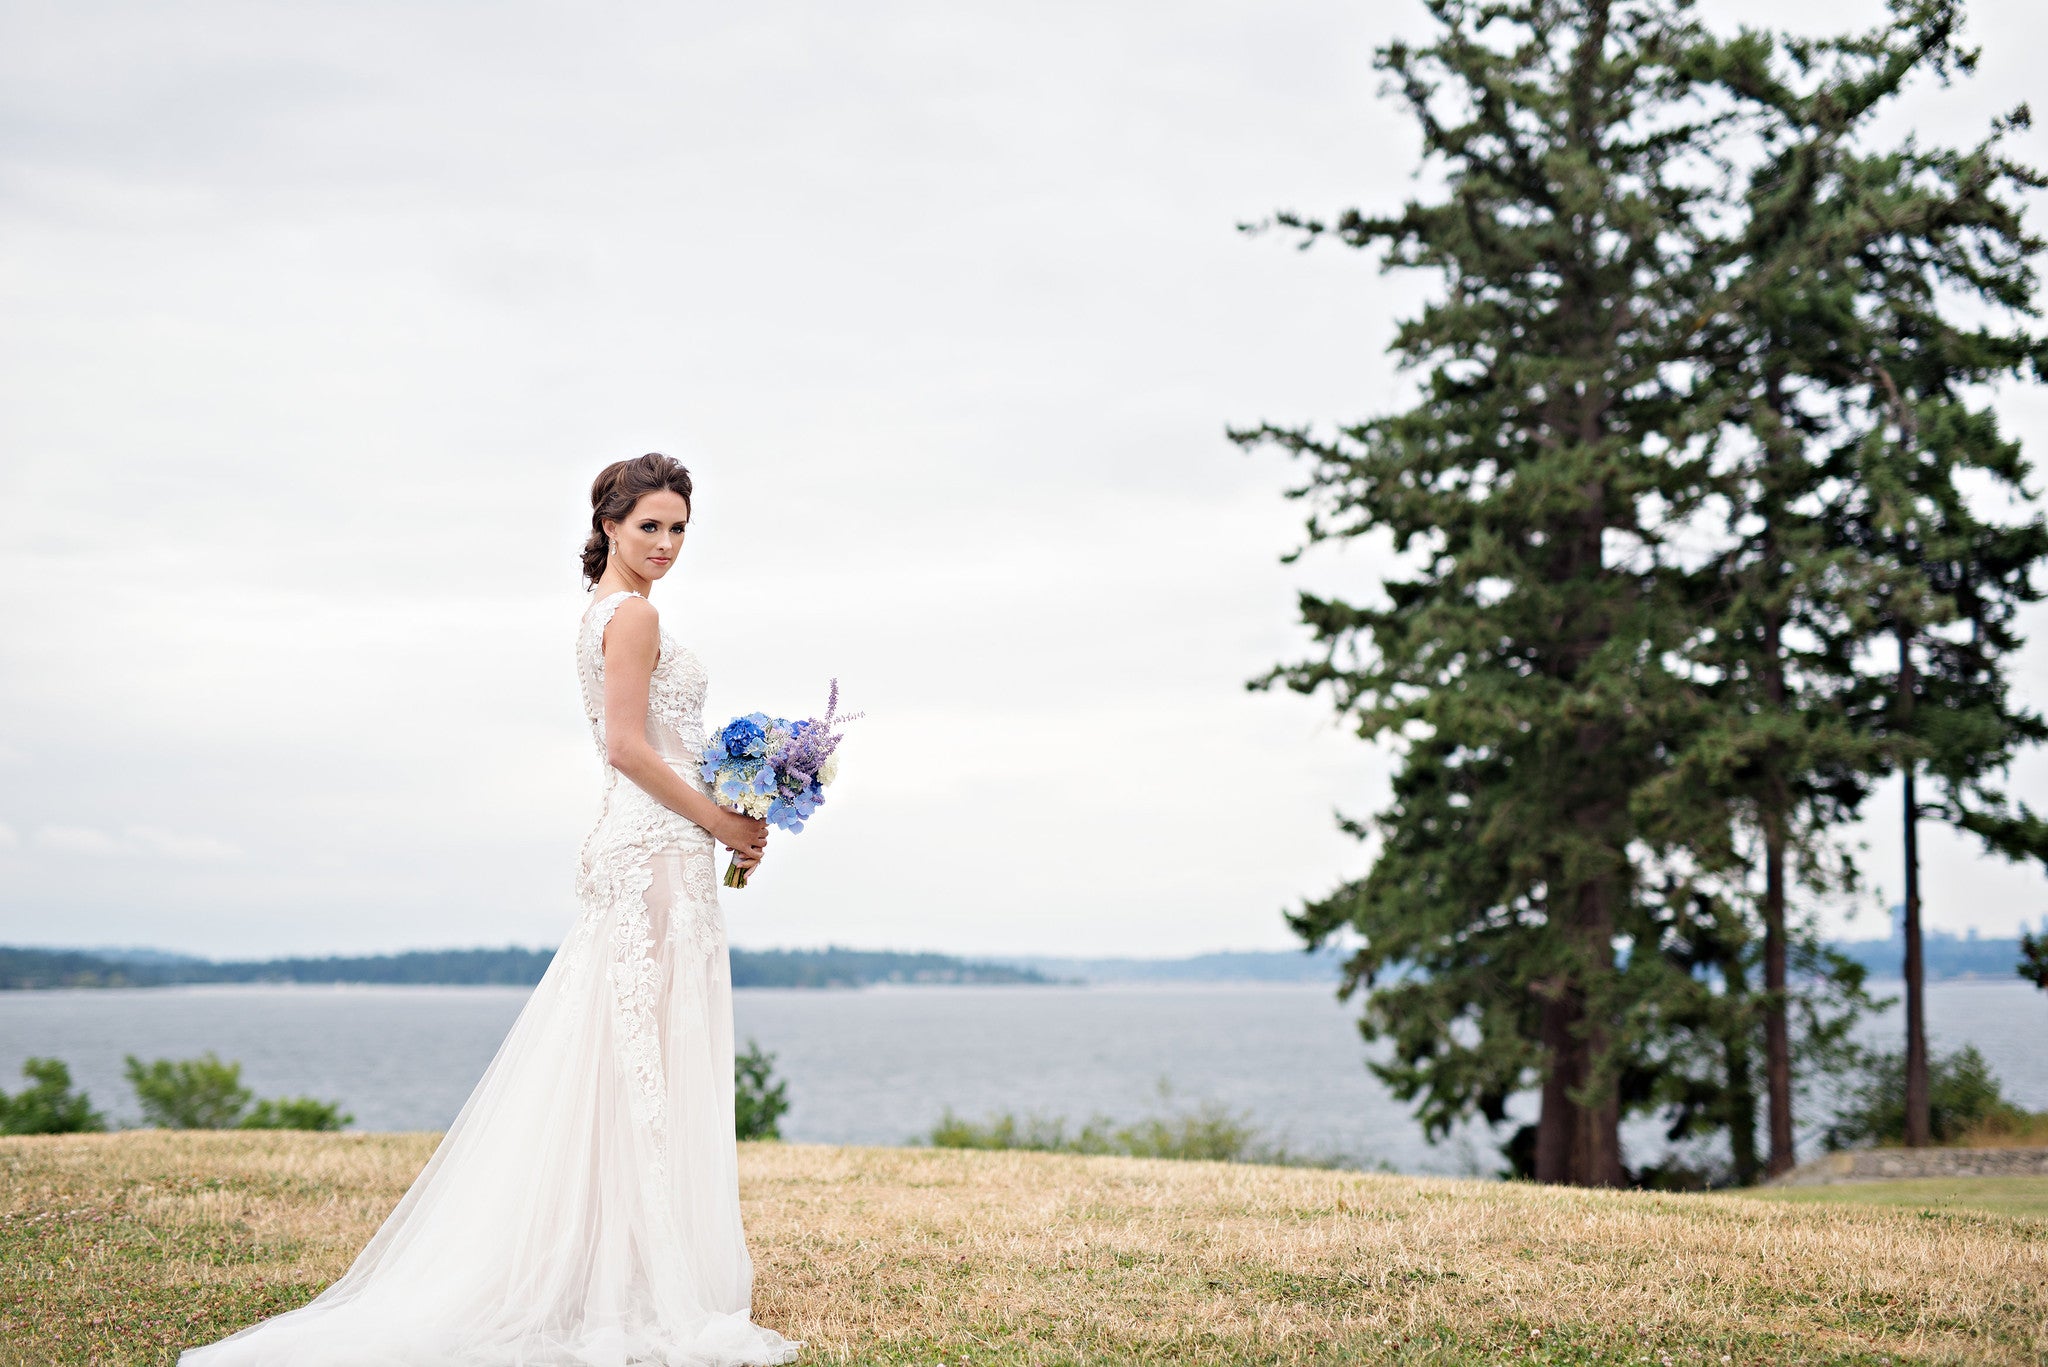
{"x": 2022, "y": 1196}
{"x": 122, "y": 1248}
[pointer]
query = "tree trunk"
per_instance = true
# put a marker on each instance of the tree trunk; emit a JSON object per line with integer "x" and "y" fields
{"x": 1596, "y": 1144}
{"x": 1554, "y": 1123}
{"x": 1578, "y": 1137}
{"x": 1577, "y": 1144}
{"x": 1777, "y": 1036}
{"x": 1741, "y": 1089}
{"x": 1919, "y": 1126}
{"x": 1775, "y": 799}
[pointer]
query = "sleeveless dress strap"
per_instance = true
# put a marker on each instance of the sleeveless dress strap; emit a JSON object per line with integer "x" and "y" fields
{"x": 601, "y": 616}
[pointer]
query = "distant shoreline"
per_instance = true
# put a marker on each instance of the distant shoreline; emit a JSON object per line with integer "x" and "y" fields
{"x": 28, "y": 969}
{"x": 22, "y": 968}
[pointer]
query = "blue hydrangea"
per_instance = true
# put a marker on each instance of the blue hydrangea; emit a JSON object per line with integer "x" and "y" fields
{"x": 745, "y": 738}
{"x": 772, "y": 767}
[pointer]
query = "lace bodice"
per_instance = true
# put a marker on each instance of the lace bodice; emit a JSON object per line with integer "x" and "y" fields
{"x": 675, "y": 694}
{"x": 646, "y": 876}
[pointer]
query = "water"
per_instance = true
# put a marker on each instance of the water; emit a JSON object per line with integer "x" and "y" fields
{"x": 878, "y": 1065}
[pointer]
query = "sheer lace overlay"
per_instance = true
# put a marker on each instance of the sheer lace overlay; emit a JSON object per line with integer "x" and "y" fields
{"x": 583, "y": 1208}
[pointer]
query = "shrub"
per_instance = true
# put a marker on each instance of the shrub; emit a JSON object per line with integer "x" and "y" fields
{"x": 49, "y": 1106}
{"x": 294, "y": 1113}
{"x": 1962, "y": 1096}
{"x": 194, "y": 1094}
{"x": 758, "y": 1101}
{"x": 2013, "y": 1129}
{"x": 1210, "y": 1131}
{"x": 206, "y": 1094}
{"x": 1007, "y": 1131}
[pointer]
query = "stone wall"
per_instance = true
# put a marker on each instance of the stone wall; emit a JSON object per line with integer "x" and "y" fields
{"x": 1878, "y": 1165}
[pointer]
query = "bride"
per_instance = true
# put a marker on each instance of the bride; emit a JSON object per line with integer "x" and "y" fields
{"x": 583, "y": 1209}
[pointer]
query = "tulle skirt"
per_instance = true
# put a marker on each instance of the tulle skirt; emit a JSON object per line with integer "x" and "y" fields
{"x": 583, "y": 1209}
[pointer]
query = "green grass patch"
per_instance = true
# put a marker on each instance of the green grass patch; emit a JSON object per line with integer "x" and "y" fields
{"x": 2021, "y": 1197}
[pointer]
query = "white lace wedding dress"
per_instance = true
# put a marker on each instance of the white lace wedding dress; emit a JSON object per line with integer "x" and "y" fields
{"x": 583, "y": 1209}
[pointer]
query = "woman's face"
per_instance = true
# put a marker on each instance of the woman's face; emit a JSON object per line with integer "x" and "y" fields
{"x": 652, "y": 534}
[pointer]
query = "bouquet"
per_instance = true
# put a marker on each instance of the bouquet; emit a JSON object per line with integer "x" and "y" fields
{"x": 774, "y": 769}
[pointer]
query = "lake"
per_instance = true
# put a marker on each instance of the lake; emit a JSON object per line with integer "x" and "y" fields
{"x": 878, "y": 1065}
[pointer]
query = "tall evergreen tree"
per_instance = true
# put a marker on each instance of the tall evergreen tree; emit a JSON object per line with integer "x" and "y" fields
{"x": 1520, "y": 655}
{"x": 1925, "y": 457}
{"x": 1779, "y": 752}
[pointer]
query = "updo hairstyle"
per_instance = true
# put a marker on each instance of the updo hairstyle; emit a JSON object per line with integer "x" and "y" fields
{"x": 618, "y": 487}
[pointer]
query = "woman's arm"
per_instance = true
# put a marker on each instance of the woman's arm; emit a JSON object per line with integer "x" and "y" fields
{"x": 632, "y": 645}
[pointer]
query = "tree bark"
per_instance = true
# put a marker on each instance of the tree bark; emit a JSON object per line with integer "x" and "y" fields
{"x": 1741, "y": 1093}
{"x": 1554, "y": 1123}
{"x": 1596, "y": 1141}
{"x": 1577, "y": 1144}
{"x": 1919, "y": 1118}
{"x": 1777, "y": 1036}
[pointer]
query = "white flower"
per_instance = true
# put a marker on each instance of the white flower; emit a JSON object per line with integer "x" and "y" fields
{"x": 829, "y": 770}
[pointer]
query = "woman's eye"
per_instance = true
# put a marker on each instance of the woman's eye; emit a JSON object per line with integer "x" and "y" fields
{"x": 647, "y": 526}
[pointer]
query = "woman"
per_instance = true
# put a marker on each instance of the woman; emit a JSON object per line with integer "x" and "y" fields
{"x": 584, "y": 1207}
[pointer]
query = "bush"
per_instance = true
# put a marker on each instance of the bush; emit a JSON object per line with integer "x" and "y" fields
{"x": 206, "y": 1094}
{"x": 758, "y": 1102}
{"x": 2014, "y": 1129}
{"x": 1962, "y": 1096}
{"x": 195, "y": 1094}
{"x": 1210, "y": 1131}
{"x": 1047, "y": 1134}
{"x": 49, "y": 1106}
{"x": 294, "y": 1113}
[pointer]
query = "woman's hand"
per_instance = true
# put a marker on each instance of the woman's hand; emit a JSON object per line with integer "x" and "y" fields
{"x": 745, "y": 836}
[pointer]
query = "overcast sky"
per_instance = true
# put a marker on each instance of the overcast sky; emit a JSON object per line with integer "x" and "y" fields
{"x": 318, "y": 319}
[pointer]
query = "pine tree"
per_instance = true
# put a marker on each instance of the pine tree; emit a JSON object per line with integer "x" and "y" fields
{"x": 1779, "y": 753}
{"x": 1950, "y": 577}
{"x": 1520, "y": 657}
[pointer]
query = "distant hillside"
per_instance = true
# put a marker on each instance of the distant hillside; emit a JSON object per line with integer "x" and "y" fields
{"x": 28, "y": 968}
{"x": 22, "y": 968}
{"x": 42, "y": 968}
{"x": 1223, "y": 966}
{"x": 836, "y": 967}
{"x": 1946, "y": 956}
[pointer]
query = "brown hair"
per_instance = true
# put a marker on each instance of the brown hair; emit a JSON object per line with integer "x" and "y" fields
{"x": 617, "y": 488}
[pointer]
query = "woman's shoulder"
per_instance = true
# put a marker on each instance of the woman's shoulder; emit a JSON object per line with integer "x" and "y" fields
{"x": 632, "y": 607}
{"x": 626, "y": 618}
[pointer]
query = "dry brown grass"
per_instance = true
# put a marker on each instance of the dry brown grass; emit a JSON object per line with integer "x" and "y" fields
{"x": 2012, "y": 1130}
{"x": 117, "y": 1249}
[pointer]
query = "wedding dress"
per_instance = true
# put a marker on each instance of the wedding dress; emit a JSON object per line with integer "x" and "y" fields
{"x": 583, "y": 1209}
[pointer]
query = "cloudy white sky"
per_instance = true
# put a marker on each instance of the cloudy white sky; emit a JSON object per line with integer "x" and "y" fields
{"x": 317, "y": 320}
